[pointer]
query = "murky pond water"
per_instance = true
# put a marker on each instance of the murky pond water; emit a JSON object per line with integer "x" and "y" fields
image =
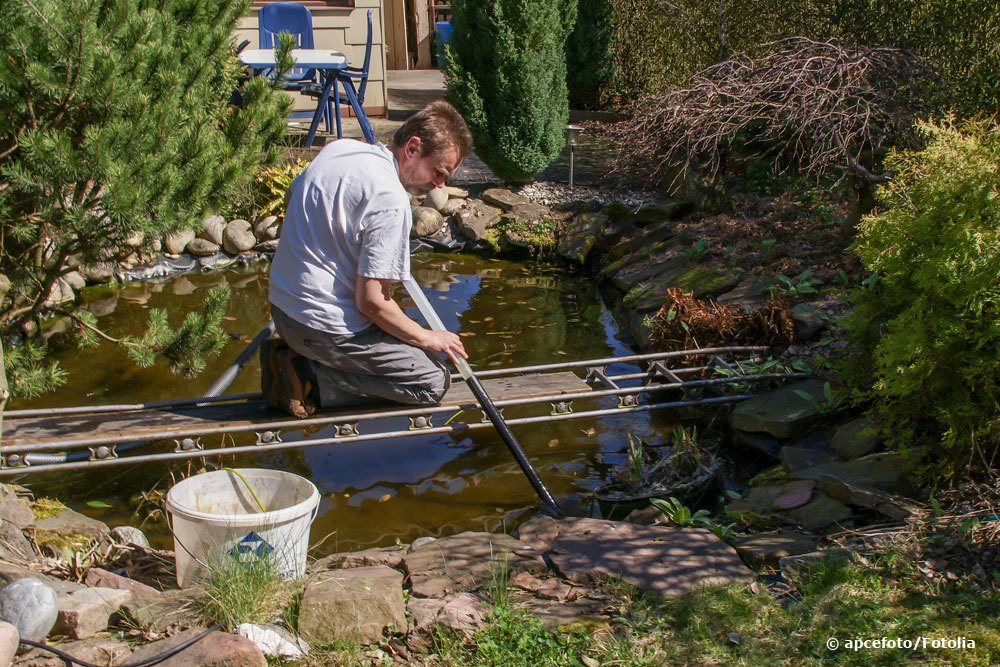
{"x": 379, "y": 491}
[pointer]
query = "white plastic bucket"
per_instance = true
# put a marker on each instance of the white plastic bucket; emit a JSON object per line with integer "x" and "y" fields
{"x": 214, "y": 515}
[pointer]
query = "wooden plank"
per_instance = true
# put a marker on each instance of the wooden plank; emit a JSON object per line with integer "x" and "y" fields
{"x": 140, "y": 424}
{"x": 422, "y": 30}
{"x": 395, "y": 37}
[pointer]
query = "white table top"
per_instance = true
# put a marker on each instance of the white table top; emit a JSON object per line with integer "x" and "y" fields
{"x": 315, "y": 58}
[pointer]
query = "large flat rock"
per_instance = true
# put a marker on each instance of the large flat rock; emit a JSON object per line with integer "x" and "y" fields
{"x": 888, "y": 471}
{"x": 355, "y": 605}
{"x": 665, "y": 560}
{"x": 464, "y": 562}
{"x": 783, "y": 412}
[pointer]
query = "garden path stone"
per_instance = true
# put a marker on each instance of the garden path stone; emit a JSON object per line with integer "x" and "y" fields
{"x": 781, "y": 412}
{"x": 88, "y": 611}
{"x": 557, "y": 614}
{"x": 888, "y": 471}
{"x": 355, "y": 605}
{"x": 797, "y": 458}
{"x": 645, "y": 238}
{"x": 579, "y": 236}
{"x": 465, "y": 562}
{"x": 528, "y": 213}
{"x": 547, "y": 588}
{"x": 503, "y": 198}
{"x": 855, "y": 439}
{"x": 388, "y": 556}
{"x": 460, "y": 612}
{"x": 869, "y": 497}
{"x": 30, "y": 606}
{"x": 808, "y": 320}
{"x": 475, "y": 219}
{"x": 707, "y": 282}
{"x": 10, "y": 573}
{"x": 765, "y": 549}
{"x": 664, "y": 560}
{"x": 218, "y": 649}
{"x": 794, "y": 494}
{"x": 821, "y": 514}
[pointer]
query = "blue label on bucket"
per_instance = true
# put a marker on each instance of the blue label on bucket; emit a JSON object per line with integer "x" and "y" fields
{"x": 252, "y": 544}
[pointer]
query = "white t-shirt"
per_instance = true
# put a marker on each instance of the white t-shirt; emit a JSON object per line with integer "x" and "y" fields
{"x": 348, "y": 215}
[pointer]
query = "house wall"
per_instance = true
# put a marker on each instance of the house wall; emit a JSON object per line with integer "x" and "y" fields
{"x": 343, "y": 29}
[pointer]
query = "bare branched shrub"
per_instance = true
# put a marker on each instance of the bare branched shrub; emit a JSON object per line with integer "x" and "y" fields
{"x": 807, "y": 105}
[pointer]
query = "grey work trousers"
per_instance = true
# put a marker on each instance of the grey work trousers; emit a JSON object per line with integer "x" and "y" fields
{"x": 354, "y": 369}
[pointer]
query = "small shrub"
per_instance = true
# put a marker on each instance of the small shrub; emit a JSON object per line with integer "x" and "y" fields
{"x": 927, "y": 329}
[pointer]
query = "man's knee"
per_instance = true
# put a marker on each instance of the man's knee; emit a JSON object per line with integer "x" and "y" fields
{"x": 434, "y": 385}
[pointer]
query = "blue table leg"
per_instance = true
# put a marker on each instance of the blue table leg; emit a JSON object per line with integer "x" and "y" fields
{"x": 359, "y": 112}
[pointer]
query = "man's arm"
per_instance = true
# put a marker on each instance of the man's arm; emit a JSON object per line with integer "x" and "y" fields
{"x": 374, "y": 300}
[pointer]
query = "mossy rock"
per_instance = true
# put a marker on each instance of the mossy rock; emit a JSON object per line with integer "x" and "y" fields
{"x": 706, "y": 282}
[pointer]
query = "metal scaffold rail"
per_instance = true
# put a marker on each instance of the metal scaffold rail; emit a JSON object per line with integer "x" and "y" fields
{"x": 89, "y": 436}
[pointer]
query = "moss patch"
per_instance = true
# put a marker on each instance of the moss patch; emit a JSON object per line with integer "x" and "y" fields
{"x": 45, "y": 508}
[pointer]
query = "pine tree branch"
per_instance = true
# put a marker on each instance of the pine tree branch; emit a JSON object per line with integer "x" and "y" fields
{"x": 76, "y": 318}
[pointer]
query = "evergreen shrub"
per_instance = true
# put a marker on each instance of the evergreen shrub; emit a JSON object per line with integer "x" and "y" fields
{"x": 116, "y": 130}
{"x": 928, "y": 329}
{"x": 590, "y": 67}
{"x": 506, "y": 73}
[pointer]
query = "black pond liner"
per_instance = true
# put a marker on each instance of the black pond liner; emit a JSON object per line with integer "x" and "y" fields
{"x": 617, "y": 499}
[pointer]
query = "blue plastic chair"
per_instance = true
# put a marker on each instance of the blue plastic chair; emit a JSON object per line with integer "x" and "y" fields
{"x": 291, "y": 17}
{"x": 346, "y": 75}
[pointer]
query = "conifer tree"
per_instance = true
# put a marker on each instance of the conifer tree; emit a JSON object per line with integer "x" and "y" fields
{"x": 507, "y": 75}
{"x": 116, "y": 127}
{"x": 590, "y": 64}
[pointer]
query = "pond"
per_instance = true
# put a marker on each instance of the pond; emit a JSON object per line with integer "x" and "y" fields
{"x": 377, "y": 492}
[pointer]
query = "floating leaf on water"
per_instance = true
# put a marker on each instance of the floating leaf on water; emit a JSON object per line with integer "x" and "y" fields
{"x": 561, "y": 353}
{"x": 98, "y": 504}
{"x": 487, "y": 319}
{"x": 553, "y": 443}
{"x": 466, "y": 334}
{"x": 498, "y": 510}
{"x": 589, "y": 431}
{"x": 442, "y": 298}
{"x": 347, "y": 495}
{"x": 385, "y": 497}
{"x": 493, "y": 363}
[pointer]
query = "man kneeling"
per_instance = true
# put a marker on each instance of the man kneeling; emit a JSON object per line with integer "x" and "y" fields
{"x": 344, "y": 241}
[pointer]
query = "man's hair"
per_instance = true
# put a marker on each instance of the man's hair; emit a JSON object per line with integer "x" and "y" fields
{"x": 440, "y": 126}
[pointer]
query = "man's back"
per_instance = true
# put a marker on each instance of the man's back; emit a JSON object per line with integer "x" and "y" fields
{"x": 347, "y": 215}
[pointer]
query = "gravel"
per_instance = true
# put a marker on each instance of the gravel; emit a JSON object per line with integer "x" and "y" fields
{"x": 554, "y": 194}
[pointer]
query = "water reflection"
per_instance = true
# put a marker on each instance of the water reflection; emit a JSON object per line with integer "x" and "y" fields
{"x": 375, "y": 492}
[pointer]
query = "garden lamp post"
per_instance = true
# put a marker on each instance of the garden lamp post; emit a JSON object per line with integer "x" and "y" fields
{"x": 572, "y": 139}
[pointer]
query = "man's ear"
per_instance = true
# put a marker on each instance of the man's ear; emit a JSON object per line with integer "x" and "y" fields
{"x": 413, "y": 147}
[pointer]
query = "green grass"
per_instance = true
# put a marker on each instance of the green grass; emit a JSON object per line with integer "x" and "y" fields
{"x": 743, "y": 625}
{"x": 235, "y": 592}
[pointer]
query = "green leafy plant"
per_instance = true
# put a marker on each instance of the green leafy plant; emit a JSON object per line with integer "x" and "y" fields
{"x": 830, "y": 402}
{"x": 800, "y": 285}
{"x": 696, "y": 252}
{"x": 679, "y": 513}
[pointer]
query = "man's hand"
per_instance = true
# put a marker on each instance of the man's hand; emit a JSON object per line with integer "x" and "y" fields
{"x": 443, "y": 341}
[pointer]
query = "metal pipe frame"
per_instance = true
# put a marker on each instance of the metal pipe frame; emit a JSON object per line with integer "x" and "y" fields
{"x": 355, "y": 437}
{"x": 102, "y": 448}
